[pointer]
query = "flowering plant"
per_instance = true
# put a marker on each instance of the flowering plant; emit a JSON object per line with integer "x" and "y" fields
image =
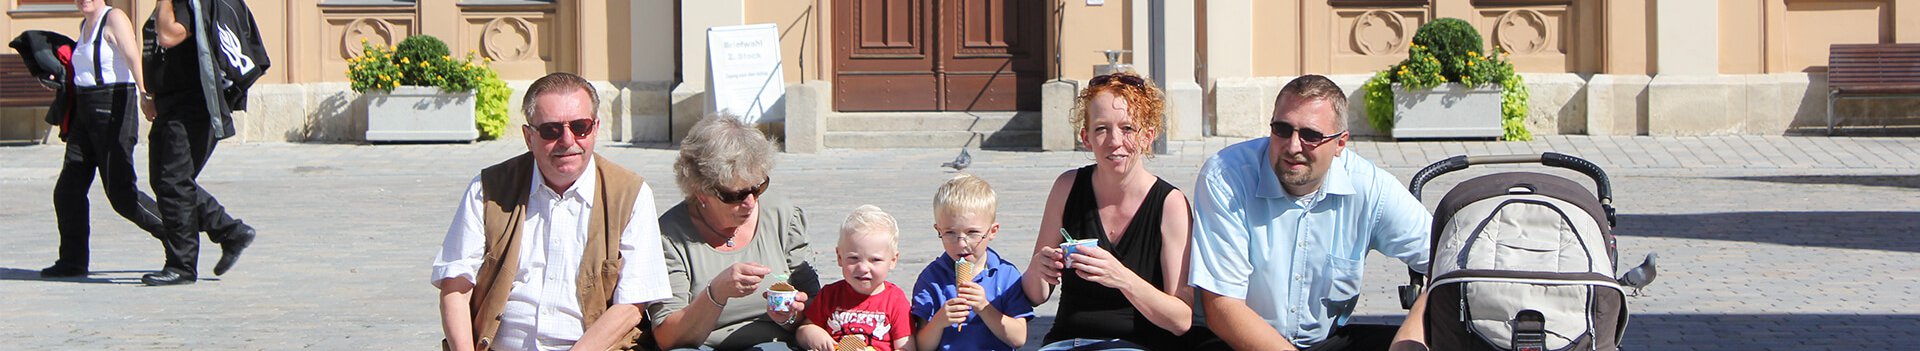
{"x": 1448, "y": 50}
{"x": 422, "y": 60}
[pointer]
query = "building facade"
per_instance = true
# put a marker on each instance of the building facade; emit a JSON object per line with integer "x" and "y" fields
{"x": 1603, "y": 67}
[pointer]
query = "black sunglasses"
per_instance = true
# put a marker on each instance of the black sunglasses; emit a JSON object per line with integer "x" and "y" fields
{"x": 552, "y": 130}
{"x": 1312, "y": 138}
{"x": 734, "y": 197}
{"x": 1123, "y": 78}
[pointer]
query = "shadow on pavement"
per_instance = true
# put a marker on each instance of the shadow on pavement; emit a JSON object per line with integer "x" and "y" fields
{"x": 1771, "y": 331}
{"x": 112, "y": 277}
{"x": 1888, "y": 231}
{"x": 1890, "y": 181}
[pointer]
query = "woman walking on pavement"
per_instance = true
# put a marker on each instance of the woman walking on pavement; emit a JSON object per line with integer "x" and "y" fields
{"x": 106, "y": 74}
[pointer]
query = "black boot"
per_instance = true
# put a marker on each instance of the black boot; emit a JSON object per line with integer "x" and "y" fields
{"x": 60, "y": 271}
{"x": 230, "y": 250}
{"x": 167, "y": 277}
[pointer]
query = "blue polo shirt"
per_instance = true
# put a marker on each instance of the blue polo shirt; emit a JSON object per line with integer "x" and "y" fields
{"x": 1002, "y": 282}
{"x": 1297, "y": 260}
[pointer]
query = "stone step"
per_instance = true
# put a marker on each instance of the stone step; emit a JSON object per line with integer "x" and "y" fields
{"x": 1006, "y": 139}
{"x": 934, "y": 121}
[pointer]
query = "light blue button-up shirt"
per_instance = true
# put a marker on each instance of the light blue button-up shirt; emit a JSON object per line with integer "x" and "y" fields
{"x": 1299, "y": 266}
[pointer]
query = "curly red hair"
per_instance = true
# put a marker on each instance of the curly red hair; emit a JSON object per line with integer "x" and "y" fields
{"x": 1147, "y": 104}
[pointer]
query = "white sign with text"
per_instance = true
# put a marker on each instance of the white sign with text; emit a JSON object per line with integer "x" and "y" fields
{"x": 743, "y": 72}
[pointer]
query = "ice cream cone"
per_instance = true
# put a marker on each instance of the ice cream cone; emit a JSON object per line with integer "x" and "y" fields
{"x": 851, "y": 343}
{"x": 963, "y": 271}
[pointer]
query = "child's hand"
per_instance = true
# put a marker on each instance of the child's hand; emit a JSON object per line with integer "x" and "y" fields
{"x": 1047, "y": 263}
{"x": 1097, "y": 265}
{"x": 957, "y": 311}
{"x": 793, "y": 311}
{"x": 972, "y": 294}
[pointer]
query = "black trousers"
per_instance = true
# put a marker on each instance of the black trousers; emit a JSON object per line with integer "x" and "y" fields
{"x": 182, "y": 141}
{"x": 100, "y": 140}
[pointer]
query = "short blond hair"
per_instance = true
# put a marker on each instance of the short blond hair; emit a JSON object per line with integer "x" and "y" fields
{"x": 965, "y": 193}
{"x": 870, "y": 220}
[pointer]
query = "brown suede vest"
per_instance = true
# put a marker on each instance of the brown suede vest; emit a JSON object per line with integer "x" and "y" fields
{"x": 504, "y": 188}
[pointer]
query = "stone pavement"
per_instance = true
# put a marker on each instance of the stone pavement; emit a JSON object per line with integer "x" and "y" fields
{"x": 1766, "y": 242}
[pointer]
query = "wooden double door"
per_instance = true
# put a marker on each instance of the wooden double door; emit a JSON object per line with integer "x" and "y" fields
{"x": 939, "y": 55}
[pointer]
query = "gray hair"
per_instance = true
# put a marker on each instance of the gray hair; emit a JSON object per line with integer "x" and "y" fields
{"x": 720, "y": 151}
{"x": 1316, "y": 87}
{"x": 870, "y": 220}
{"x": 558, "y": 83}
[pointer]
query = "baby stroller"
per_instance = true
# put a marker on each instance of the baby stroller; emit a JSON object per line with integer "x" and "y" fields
{"x": 1521, "y": 260}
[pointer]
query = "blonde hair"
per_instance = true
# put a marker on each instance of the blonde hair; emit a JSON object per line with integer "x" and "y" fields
{"x": 965, "y": 193}
{"x": 1144, "y": 101}
{"x": 870, "y": 220}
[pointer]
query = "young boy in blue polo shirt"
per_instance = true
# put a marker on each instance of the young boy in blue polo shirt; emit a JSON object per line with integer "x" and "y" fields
{"x": 990, "y": 311}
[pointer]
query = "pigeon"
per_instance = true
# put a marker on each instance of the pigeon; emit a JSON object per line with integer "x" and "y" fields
{"x": 1641, "y": 276}
{"x": 960, "y": 163}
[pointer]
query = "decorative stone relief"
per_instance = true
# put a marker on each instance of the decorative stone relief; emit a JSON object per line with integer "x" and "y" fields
{"x": 372, "y": 30}
{"x": 1523, "y": 31}
{"x": 507, "y": 39}
{"x": 1379, "y": 32}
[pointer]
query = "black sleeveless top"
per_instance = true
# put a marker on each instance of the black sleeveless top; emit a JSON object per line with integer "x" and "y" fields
{"x": 1090, "y": 310}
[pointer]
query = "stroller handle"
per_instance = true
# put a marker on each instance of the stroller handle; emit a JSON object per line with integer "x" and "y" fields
{"x": 1551, "y": 159}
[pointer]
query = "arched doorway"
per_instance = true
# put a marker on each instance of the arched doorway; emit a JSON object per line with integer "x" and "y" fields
{"x": 939, "y": 55}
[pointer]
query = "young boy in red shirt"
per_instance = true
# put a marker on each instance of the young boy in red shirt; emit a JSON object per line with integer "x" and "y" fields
{"x": 863, "y": 306}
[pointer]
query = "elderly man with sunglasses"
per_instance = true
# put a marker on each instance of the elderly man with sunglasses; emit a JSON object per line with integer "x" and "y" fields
{"x": 1283, "y": 223}
{"x": 554, "y": 249}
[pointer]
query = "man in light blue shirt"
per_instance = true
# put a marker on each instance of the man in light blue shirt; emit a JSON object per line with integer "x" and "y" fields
{"x": 1284, "y": 222}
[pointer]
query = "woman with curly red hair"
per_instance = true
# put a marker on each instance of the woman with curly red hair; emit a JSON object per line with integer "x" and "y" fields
{"x": 1129, "y": 291}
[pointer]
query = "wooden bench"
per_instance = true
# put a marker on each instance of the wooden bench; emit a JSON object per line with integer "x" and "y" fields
{"x": 18, "y": 88}
{"x": 1871, "y": 71}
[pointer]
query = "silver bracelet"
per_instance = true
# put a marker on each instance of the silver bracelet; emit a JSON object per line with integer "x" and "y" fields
{"x": 716, "y": 301}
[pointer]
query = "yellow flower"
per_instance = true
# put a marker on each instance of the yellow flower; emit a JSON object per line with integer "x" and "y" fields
{"x": 1469, "y": 63}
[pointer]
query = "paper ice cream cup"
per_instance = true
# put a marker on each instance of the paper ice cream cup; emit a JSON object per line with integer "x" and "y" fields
{"x": 1067, "y": 249}
{"x": 779, "y": 295}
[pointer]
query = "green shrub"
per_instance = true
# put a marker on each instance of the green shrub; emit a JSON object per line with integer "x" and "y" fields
{"x": 1451, "y": 41}
{"x": 374, "y": 69}
{"x": 419, "y": 60}
{"x": 490, "y": 112}
{"x": 1448, "y": 50}
{"x": 423, "y": 59}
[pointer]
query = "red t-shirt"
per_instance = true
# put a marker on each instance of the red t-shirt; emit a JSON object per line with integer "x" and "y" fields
{"x": 878, "y": 319}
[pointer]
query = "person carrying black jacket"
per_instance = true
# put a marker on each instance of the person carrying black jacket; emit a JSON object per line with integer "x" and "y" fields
{"x": 188, "y": 128}
{"x": 100, "y": 135}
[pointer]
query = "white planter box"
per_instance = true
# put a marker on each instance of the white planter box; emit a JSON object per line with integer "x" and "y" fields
{"x": 1447, "y": 111}
{"x": 415, "y": 114}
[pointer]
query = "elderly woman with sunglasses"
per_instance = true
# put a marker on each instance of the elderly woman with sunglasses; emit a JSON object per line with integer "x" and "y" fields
{"x": 727, "y": 243}
{"x": 1128, "y": 291}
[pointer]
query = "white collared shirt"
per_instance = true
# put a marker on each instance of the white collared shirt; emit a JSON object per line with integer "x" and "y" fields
{"x": 542, "y": 311}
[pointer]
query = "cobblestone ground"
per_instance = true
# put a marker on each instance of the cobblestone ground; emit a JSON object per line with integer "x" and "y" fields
{"x": 1766, "y": 242}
